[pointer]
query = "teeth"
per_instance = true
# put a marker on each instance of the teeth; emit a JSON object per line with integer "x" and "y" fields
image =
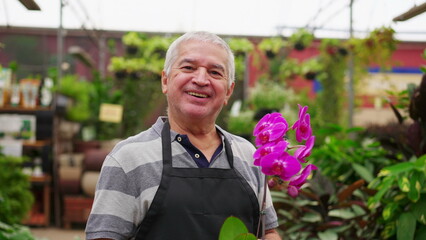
{"x": 197, "y": 94}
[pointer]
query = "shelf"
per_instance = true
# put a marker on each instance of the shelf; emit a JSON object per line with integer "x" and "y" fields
{"x": 45, "y": 179}
{"x": 22, "y": 109}
{"x": 40, "y": 215}
{"x": 37, "y": 143}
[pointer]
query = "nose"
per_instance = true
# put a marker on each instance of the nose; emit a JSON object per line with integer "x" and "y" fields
{"x": 201, "y": 77}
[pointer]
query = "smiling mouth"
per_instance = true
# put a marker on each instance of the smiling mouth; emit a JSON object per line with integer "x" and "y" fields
{"x": 198, "y": 95}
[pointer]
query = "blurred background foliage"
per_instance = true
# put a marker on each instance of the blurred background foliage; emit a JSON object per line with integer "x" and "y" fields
{"x": 371, "y": 181}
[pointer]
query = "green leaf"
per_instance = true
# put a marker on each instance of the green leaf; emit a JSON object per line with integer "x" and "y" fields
{"x": 296, "y": 228}
{"x": 284, "y": 213}
{"x": 388, "y": 231}
{"x": 396, "y": 169}
{"x": 419, "y": 210}
{"x": 421, "y": 162}
{"x": 363, "y": 172}
{"x": 231, "y": 228}
{"x": 415, "y": 187}
{"x": 389, "y": 210}
{"x": 342, "y": 213}
{"x": 245, "y": 236}
{"x": 383, "y": 187}
{"x": 328, "y": 235}
{"x": 404, "y": 184}
{"x": 405, "y": 226}
{"x": 311, "y": 217}
{"x": 421, "y": 233}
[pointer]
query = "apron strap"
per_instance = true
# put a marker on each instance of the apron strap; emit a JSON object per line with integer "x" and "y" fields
{"x": 167, "y": 146}
{"x": 155, "y": 209}
{"x": 229, "y": 154}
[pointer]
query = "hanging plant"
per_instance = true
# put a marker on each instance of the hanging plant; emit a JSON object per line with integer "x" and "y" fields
{"x": 331, "y": 100}
{"x": 133, "y": 41}
{"x": 272, "y": 46}
{"x": 289, "y": 69}
{"x": 118, "y": 67}
{"x": 240, "y": 46}
{"x": 377, "y": 48}
{"x": 268, "y": 96}
{"x": 311, "y": 68}
{"x": 301, "y": 39}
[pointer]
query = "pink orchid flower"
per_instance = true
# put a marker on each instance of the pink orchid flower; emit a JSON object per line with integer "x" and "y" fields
{"x": 303, "y": 125}
{"x": 272, "y": 155}
{"x": 281, "y": 164}
{"x": 297, "y": 181}
{"x": 267, "y": 121}
{"x": 305, "y": 151}
{"x": 268, "y": 148}
{"x": 272, "y": 133}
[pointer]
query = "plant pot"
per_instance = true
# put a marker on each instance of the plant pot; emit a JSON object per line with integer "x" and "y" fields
{"x": 120, "y": 74}
{"x": 299, "y": 46}
{"x": 310, "y": 75}
{"x": 270, "y": 54}
{"x": 135, "y": 75}
{"x": 343, "y": 51}
{"x": 161, "y": 53}
{"x": 131, "y": 50}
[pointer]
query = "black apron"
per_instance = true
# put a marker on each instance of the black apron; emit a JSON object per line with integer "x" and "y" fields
{"x": 193, "y": 203}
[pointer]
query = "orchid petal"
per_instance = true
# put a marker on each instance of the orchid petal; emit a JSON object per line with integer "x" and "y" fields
{"x": 267, "y": 121}
{"x": 302, "y": 110}
{"x": 300, "y": 179}
{"x": 271, "y": 134}
{"x": 268, "y": 148}
{"x": 291, "y": 167}
{"x": 305, "y": 151}
{"x": 271, "y": 164}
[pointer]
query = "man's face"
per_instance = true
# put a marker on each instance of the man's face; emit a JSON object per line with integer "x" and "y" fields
{"x": 197, "y": 86}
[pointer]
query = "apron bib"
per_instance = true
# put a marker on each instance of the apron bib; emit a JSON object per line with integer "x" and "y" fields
{"x": 193, "y": 203}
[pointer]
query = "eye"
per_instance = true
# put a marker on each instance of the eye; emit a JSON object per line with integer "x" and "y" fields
{"x": 187, "y": 68}
{"x": 216, "y": 74}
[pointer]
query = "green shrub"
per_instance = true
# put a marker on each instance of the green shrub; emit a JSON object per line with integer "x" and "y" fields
{"x": 16, "y": 198}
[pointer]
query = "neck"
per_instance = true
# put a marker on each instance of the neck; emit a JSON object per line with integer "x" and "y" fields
{"x": 202, "y": 136}
{"x": 192, "y": 128}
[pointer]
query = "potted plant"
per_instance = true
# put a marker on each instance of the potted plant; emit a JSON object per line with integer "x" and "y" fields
{"x": 118, "y": 67}
{"x": 301, "y": 39}
{"x": 16, "y": 198}
{"x": 310, "y": 68}
{"x": 242, "y": 124}
{"x": 240, "y": 46}
{"x": 289, "y": 69}
{"x": 79, "y": 91}
{"x": 266, "y": 97}
{"x": 133, "y": 41}
{"x": 272, "y": 46}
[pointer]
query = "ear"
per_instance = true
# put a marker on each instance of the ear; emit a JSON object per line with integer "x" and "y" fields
{"x": 164, "y": 81}
{"x": 229, "y": 93}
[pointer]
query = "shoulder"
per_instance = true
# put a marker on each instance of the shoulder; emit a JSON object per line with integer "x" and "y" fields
{"x": 140, "y": 149}
{"x": 240, "y": 146}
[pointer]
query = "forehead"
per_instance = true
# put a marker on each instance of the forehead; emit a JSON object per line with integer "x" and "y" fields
{"x": 202, "y": 52}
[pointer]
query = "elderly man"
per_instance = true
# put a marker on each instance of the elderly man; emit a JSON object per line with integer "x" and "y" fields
{"x": 182, "y": 178}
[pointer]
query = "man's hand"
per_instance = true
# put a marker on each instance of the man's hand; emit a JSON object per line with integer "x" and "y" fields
{"x": 272, "y": 234}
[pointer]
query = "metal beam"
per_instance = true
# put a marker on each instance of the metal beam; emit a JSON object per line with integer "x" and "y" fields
{"x": 30, "y": 5}
{"x": 414, "y": 11}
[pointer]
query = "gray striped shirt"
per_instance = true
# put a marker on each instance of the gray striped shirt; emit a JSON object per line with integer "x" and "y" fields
{"x": 131, "y": 174}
